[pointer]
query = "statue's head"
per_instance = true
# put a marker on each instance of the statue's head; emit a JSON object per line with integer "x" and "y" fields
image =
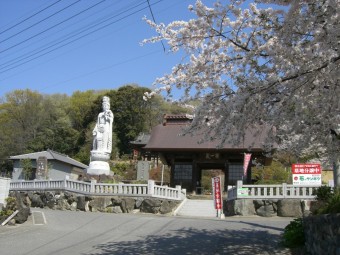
{"x": 106, "y": 103}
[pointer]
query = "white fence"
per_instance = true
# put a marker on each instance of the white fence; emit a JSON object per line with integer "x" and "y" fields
{"x": 94, "y": 188}
{"x": 280, "y": 191}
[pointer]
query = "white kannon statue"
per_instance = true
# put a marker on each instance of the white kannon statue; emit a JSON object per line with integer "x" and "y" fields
{"x": 102, "y": 141}
{"x": 102, "y": 132}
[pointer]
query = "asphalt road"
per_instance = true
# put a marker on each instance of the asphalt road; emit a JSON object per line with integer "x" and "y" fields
{"x": 65, "y": 232}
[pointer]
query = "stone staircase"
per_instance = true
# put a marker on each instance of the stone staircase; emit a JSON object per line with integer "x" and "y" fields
{"x": 196, "y": 208}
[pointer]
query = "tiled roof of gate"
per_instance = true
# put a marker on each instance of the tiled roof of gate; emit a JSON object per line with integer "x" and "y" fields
{"x": 168, "y": 137}
{"x": 49, "y": 154}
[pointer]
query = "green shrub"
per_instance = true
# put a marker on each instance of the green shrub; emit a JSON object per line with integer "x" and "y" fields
{"x": 10, "y": 207}
{"x": 323, "y": 193}
{"x": 332, "y": 204}
{"x": 328, "y": 199}
{"x": 6, "y": 213}
{"x": 293, "y": 235}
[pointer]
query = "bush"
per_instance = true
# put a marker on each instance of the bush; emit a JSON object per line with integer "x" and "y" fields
{"x": 9, "y": 209}
{"x": 328, "y": 199}
{"x": 323, "y": 193}
{"x": 293, "y": 235}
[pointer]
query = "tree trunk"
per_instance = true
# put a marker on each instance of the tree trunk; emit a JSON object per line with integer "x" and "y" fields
{"x": 336, "y": 172}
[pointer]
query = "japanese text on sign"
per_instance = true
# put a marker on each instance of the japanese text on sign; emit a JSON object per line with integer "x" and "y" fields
{"x": 306, "y": 169}
{"x": 217, "y": 192}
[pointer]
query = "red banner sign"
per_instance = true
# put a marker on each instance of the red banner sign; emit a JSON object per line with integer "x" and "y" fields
{"x": 246, "y": 161}
{"x": 216, "y": 182}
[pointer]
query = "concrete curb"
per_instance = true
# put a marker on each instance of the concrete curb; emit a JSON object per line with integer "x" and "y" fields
{"x": 180, "y": 207}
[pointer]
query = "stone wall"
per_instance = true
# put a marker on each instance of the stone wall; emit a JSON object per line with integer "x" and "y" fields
{"x": 267, "y": 208}
{"x": 111, "y": 204}
{"x": 322, "y": 233}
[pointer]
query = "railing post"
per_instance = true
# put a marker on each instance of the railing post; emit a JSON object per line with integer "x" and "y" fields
{"x": 93, "y": 187}
{"x": 284, "y": 190}
{"x": 120, "y": 188}
{"x": 179, "y": 192}
{"x": 65, "y": 183}
{"x": 151, "y": 187}
{"x": 239, "y": 184}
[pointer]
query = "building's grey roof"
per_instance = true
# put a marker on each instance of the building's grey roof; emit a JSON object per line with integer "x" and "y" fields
{"x": 49, "y": 154}
{"x": 141, "y": 139}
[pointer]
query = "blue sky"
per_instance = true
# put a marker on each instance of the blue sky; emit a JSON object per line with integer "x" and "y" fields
{"x": 104, "y": 59}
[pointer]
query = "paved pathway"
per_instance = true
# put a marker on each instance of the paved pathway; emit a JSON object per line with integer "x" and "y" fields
{"x": 67, "y": 232}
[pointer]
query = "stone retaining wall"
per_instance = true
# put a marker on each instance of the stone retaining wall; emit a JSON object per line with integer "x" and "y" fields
{"x": 322, "y": 233}
{"x": 267, "y": 208}
{"x": 111, "y": 204}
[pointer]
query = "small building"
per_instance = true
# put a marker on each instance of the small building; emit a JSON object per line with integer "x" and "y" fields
{"x": 47, "y": 165}
{"x": 187, "y": 157}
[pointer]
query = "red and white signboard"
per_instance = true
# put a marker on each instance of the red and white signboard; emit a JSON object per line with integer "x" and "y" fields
{"x": 306, "y": 174}
{"x": 216, "y": 185}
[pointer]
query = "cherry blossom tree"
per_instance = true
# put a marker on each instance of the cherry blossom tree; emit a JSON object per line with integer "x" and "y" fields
{"x": 271, "y": 62}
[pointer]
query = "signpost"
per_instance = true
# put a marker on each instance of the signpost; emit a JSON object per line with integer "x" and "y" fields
{"x": 306, "y": 174}
{"x": 143, "y": 170}
{"x": 217, "y": 194}
{"x": 42, "y": 169}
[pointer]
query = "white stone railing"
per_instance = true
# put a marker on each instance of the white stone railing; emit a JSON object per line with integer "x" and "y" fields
{"x": 100, "y": 189}
{"x": 280, "y": 191}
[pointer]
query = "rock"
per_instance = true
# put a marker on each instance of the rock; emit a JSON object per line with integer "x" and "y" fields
{"x": 266, "y": 211}
{"x": 22, "y": 215}
{"x": 36, "y": 201}
{"x": 306, "y": 207}
{"x": 139, "y": 202}
{"x": 265, "y": 208}
{"x": 81, "y": 203}
{"x": 244, "y": 207}
{"x": 167, "y": 207}
{"x": 116, "y": 201}
{"x": 150, "y": 206}
{"x": 62, "y": 205}
{"x": 289, "y": 208}
{"x": 258, "y": 203}
{"x": 87, "y": 208}
{"x": 99, "y": 204}
{"x": 51, "y": 204}
{"x": 71, "y": 198}
{"x": 127, "y": 205}
{"x": 11, "y": 222}
{"x": 228, "y": 207}
{"x": 19, "y": 201}
{"x": 114, "y": 209}
{"x": 23, "y": 197}
{"x": 73, "y": 206}
{"x": 48, "y": 199}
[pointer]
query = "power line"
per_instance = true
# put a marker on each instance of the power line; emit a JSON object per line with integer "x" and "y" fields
{"x": 76, "y": 39}
{"x": 17, "y": 24}
{"x": 47, "y": 37}
{"x": 52, "y": 26}
{"x": 63, "y": 9}
{"x": 69, "y": 37}
{"x": 153, "y": 18}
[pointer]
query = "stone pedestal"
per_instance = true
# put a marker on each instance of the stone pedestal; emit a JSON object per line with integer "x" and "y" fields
{"x": 99, "y": 163}
{"x": 98, "y": 168}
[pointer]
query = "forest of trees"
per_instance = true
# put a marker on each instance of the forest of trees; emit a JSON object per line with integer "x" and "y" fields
{"x": 31, "y": 122}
